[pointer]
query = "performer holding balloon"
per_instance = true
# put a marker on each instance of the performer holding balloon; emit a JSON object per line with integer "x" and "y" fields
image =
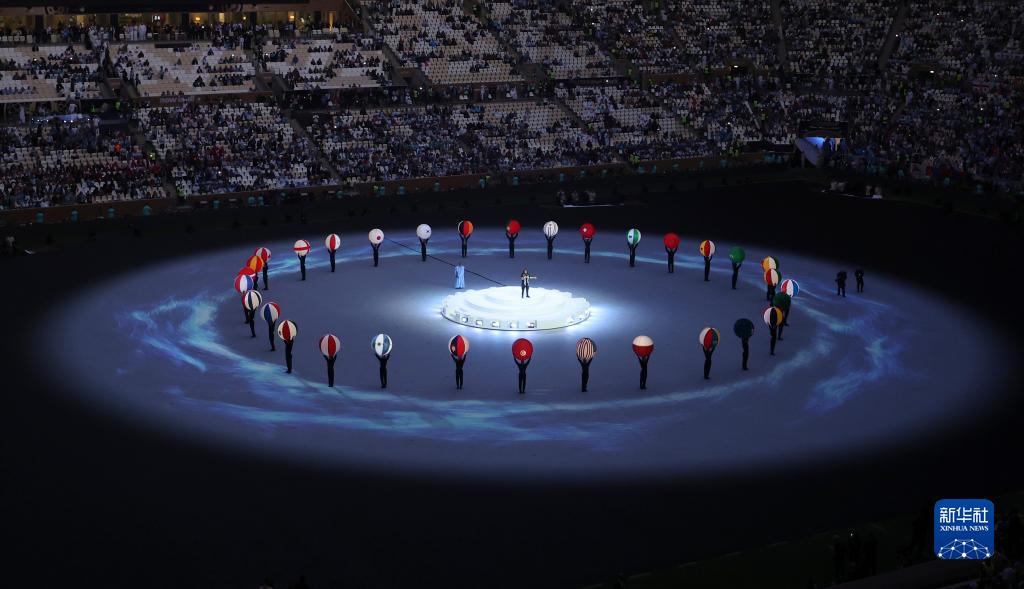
{"x": 524, "y": 283}
{"x": 587, "y": 232}
{"x": 642, "y": 347}
{"x": 671, "y": 245}
{"x": 255, "y": 263}
{"x": 773, "y": 318}
{"x": 512, "y": 232}
{"x": 465, "y": 231}
{"x": 286, "y": 331}
{"x": 458, "y": 346}
{"x": 243, "y": 284}
{"x": 770, "y": 267}
{"x": 522, "y": 352}
{"x": 708, "y": 342}
{"x": 744, "y": 328}
{"x": 333, "y": 243}
{"x": 376, "y": 237}
{"x": 264, "y": 255}
{"x": 330, "y": 345}
{"x": 707, "y": 249}
{"x": 302, "y": 248}
{"x": 271, "y": 311}
{"x": 550, "y": 231}
{"x": 791, "y": 288}
{"x": 782, "y": 301}
{"x": 736, "y": 257}
{"x": 585, "y": 352}
{"x": 251, "y": 301}
{"x": 633, "y": 240}
{"x": 423, "y": 232}
{"x": 381, "y": 345}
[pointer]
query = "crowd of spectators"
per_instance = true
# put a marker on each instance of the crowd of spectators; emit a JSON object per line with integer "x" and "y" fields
{"x": 197, "y": 68}
{"x": 349, "y": 60}
{"x": 51, "y": 73}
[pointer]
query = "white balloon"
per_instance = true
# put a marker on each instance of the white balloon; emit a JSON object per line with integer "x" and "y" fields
{"x": 376, "y": 236}
{"x": 423, "y": 232}
{"x": 550, "y": 229}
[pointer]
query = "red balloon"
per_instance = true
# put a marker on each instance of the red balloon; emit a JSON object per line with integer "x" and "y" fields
{"x": 587, "y": 230}
{"x": 247, "y": 271}
{"x": 522, "y": 350}
{"x": 513, "y": 227}
{"x": 465, "y": 228}
{"x": 672, "y": 241}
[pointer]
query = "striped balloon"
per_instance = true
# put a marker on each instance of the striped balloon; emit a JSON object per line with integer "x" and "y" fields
{"x": 263, "y": 253}
{"x": 458, "y": 346}
{"x": 287, "y": 331}
{"x": 643, "y": 346}
{"x": 248, "y": 272}
{"x": 633, "y": 236}
{"x": 522, "y": 350}
{"x": 243, "y": 282}
{"x": 585, "y": 350}
{"x": 771, "y": 277}
{"x": 381, "y": 345}
{"x": 769, "y": 263}
{"x": 333, "y": 242}
{"x": 550, "y": 229}
{"x": 330, "y": 345}
{"x": 423, "y": 231}
{"x": 672, "y": 241}
{"x": 790, "y": 287}
{"x": 254, "y": 263}
{"x": 301, "y": 248}
{"x": 707, "y": 248}
{"x": 271, "y": 311}
{"x": 376, "y": 236}
{"x": 252, "y": 300}
{"x": 773, "y": 316}
{"x": 709, "y": 338}
{"x": 465, "y": 228}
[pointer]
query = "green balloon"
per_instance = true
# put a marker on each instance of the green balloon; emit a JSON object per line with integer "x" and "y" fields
{"x": 743, "y": 328}
{"x": 737, "y": 255}
{"x": 782, "y": 301}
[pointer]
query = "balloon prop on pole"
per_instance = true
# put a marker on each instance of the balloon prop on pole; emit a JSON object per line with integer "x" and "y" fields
{"x": 585, "y": 352}
{"x": 465, "y": 231}
{"x": 708, "y": 339}
{"x": 271, "y": 311}
{"x": 587, "y": 232}
{"x": 643, "y": 347}
{"x": 672, "y": 242}
{"x": 423, "y": 232}
{"x": 287, "y": 331}
{"x": 376, "y": 237}
{"x": 512, "y": 229}
{"x": 707, "y": 249}
{"x": 633, "y": 240}
{"x": 333, "y": 244}
{"x": 736, "y": 257}
{"x": 329, "y": 346}
{"x": 301, "y": 249}
{"x": 458, "y": 347}
{"x": 550, "y": 231}
{"x": 264, "y": 254}
{"x": 522, "y": 352}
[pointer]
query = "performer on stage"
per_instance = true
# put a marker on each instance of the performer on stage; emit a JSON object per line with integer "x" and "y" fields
{"x": 333, "y": 243}
{"x": 587, "y": 232}
{"x": 376, "y": 237}
{"x": 251, "y": 301}
{"x": 423, "y": 232}
{"x": 633, "y": 240}
{"x": 736, "y": 257}
{"x": 458, "y": 347}
{"x": 512, "y": 232}
{"x": 302, "y": 248}
{"x": 671, "y": 246}
{"x": 744, "y": 328}
{"x": 585, "y": 352}
{"x": 707, "y": 249}
{"x": 643, "y": 346}
{"x": 773, "y": 318}
{"x": 264, "y": 254}
{"x": 708, "y": 342}
{"x": 286, "y": 331}
{"x": 460, "y": 276}
{"x": 524, "y": 283}
{"x": 859, "y": 275}
{"x": 271, "y": 311}
{"x": 330, "y": 345}
{"x": 550, "y": 231}
{"x": 522, "y": 352}
{"x": 465, "y": 231}
{"x": 382, "y": 347}
{"x": 783, "y": 302}
{"x": 841, "y": 283}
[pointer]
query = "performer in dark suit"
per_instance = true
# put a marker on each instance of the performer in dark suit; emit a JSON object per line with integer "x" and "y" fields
{"x": 524, "y": 283}
{"x": 744, "y": 328}
{"x": 859, "y": 275}
{"x": 585, "y": 352}
{"x": 522, "y": 375}
{"x": 841, "y": 283}
{"x": 458, "y": 347}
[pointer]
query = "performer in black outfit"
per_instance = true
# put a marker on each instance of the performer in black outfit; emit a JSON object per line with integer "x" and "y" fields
{"x": 841, "y": 283}
{"x": 330, "y": 368}
{"x": 522, "y": 375}
{"x": 423, "y": 250}
{"x": 331, "y": 253}
{"x": 250, "y": 318}
{"x": 744, "y": 329}
{"x": 585, "y": 351}
{"x": 302, "y": 264}
{"x": 459, "y": 362}
{"x": 671, "y": 259}
{"x": 288, "y": 357}
{"x": 376, "y": 253}
{"x": 270, "y": 330}
{"x": 643, "y": 370}
{"x": 859, "y": 275}
{"x": 707, "y": 267}
{"x": 707, "y": 362}
{"x": 551, "y": 246}
{"x": 735, "y": 273}
{"x": 266, "y": 277}
{"x": 586, "y": 249}
{"x": 383, "y": 370}
{"x": 524, "y": 283}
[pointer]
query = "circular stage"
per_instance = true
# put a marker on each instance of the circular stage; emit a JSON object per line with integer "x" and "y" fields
{"x": 866, "y": 372}
{"x": 506, "y": 308}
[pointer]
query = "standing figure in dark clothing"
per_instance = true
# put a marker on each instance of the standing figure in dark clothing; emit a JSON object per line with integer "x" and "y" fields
{"x": 587, "y": 232}
{"x": 771, "y": 279}
{"x": 550, "y": 231}
{"x": 643, "y": 346}
{"x": 524, "y": 283}
{"x": 841, "y": 283}
{"x": 522, "y": 353}
{"x": 458, "y": 347}
{"x": 633, "y": 240}
{"x": 744, "y": 328}
{"x": 707, "y": 249}
{"x": 736, "y": 257}
{"x": 708, "y": 338}
{"x": 251, "y": 301}
{"x": 465, "y": 231}
{"x": 782, "y": 301}
{"x": 302, "y": 248}
{"x": 859, "y": 275}
{"x": 376, "y": 237}
{"x": 264, "y": 254}
{"x": 773, "y": 318}
{"x": 333, "y": 243}
{"x": 585, "y": 352}
{"x": 512, "y": 232}
{"x": 243, "y": 284}
{"x": 271, "y": 311}
{"x": 286, "y": 331}
{"x": 671, "y": 246}
{"x": 382, "y": 347}
{"x": 423, "y": 232}
{"x": 330, "y": 345}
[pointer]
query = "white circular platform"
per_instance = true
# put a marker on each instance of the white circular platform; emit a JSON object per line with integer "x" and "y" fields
{"x": 502, "y": 308}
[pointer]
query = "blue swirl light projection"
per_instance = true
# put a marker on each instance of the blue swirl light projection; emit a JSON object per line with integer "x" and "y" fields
{"x": 851, "y": 374}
